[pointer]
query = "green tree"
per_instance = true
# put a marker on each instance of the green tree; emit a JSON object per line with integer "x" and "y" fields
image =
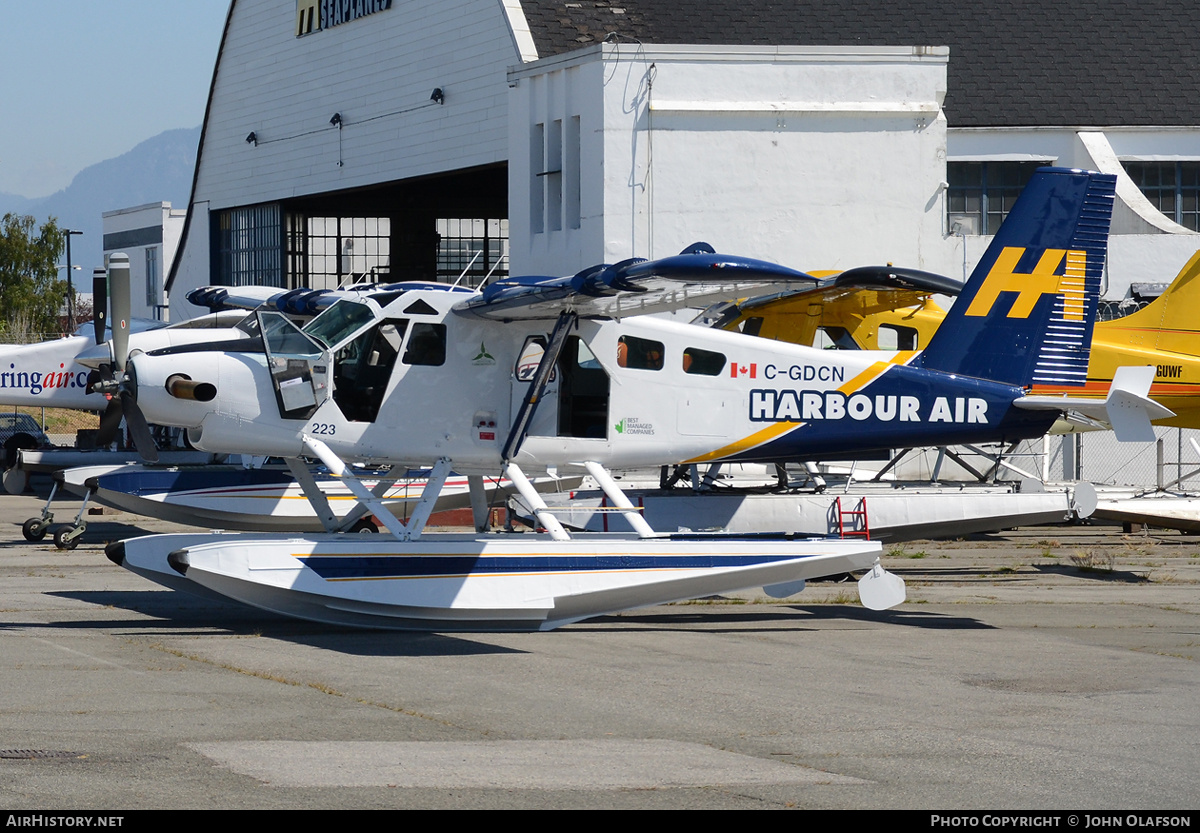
{"x": 30, "y": 291}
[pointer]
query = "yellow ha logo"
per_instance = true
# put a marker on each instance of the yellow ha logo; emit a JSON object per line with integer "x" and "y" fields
{"x": 1031, "y": 287}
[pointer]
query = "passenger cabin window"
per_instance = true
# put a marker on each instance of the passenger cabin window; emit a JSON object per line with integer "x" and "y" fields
{"x": 703, "y": 362}
{"x": 752, "y": 326}
{"x": 895, "y": 337}
{"x": 834, "y": 338}
{"x": 639, "y": 353}
{"x": 426, "y": 345}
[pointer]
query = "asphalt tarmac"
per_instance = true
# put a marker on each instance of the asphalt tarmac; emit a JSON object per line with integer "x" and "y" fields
{"x": 1050, "y": 668}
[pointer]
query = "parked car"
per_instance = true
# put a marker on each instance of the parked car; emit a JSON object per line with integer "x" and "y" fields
{"x": 20, "y": 431}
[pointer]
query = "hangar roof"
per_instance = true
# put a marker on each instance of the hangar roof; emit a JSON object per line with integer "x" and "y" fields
{"x": 1017, "y": 64}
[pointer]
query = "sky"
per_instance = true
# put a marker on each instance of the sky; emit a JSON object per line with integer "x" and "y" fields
{"x": 82, "y": 81}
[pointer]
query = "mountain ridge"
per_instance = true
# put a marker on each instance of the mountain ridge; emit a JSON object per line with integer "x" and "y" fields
{"x": 158, "y": 169}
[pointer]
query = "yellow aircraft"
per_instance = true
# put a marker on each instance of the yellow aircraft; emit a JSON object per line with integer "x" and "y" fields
{"x": 872, "y": 308}
{"x": 1164, "y": 334}
{"x": 893, "y": 309}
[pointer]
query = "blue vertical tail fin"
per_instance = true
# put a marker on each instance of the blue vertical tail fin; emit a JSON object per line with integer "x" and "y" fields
{"x": 1025, "y": 315}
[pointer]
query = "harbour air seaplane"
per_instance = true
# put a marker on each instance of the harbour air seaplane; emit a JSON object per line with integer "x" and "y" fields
{"x": 544, "y": 374}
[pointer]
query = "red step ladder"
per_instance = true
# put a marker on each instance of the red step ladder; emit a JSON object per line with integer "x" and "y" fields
{"x": 859, "y": 511}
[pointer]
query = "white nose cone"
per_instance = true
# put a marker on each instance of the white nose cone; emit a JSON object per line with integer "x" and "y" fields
{"x": 880, "y": 590}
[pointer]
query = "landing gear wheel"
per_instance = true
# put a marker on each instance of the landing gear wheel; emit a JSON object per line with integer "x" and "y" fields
{"x": 34, "y": 529}
{"x": 67, "y": 537}
{"x": 364, "y": 525}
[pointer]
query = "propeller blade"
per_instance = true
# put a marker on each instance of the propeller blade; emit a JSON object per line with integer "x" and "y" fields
{"x": 118, "y": 277}
{"x": 99, "y": 303}
{"x": 143, "y": 440}
{"x": 110, "y": 422}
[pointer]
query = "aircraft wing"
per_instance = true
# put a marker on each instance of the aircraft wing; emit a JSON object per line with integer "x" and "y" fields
{"x": 879, "y": 278}
{"x": 301, "y": 301}
{"x": 217, "y": 298}
{"x": 633, "y": 287}
{"x": 895, "y": 277}
{"x": 831, "y": 287}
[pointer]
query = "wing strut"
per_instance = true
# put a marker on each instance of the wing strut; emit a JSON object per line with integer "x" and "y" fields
{"x": 520, "y": 427}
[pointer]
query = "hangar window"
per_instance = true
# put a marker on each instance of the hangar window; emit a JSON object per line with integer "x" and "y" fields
{"x": 472, "y": 248}
{"x": 982, "y": 193}
{"x": 1172, "y": 187}
{"x": 554, "y": 159}
{"x": 327, "y": 252}
{"x": 246, "y": 246}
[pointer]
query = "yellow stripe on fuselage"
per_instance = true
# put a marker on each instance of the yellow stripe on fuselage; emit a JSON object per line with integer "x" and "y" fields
{"x": 778, "y": 429}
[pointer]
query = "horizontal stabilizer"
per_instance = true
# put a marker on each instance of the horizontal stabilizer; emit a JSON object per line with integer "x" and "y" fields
{"x": 1127, "y": 408}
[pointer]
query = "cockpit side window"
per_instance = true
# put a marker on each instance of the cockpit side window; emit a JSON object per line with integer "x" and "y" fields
{"x": 363, "y": 367}
{"x": 426, "y": 345}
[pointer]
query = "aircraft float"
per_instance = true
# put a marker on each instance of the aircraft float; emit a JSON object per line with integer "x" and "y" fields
{"x": 265, "y": 498}
{"x": 538, "y": 373}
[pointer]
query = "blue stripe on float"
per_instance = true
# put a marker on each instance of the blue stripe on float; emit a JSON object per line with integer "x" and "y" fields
{"x": 335, "y": 568}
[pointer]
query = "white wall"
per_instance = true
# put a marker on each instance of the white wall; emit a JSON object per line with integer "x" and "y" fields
{"x": 815, "y": 157}
{"x": 378, "y": 73}
{"x": 168, "y": 225}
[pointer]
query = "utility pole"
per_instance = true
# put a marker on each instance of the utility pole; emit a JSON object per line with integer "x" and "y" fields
{"x": 70, "y": 284}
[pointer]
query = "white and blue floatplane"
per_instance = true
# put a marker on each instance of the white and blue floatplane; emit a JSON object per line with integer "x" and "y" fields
{"x": 568, "y": 374}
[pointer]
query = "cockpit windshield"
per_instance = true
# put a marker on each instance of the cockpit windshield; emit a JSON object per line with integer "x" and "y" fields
{"x": 339, "y": 321}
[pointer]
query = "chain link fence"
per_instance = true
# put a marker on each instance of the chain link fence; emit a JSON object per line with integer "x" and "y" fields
{"x": 1094, "y": 456}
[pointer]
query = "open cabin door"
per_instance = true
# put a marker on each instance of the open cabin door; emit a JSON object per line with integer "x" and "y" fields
{"x": 574, "y": 402}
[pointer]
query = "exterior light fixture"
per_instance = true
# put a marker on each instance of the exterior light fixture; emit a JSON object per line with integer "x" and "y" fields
{"x": 438, "y": 96}
{"x": 336, "y": 121}
{"x": 252, "y": 139}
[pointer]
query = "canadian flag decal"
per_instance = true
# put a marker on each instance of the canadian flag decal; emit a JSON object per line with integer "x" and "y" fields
{"x": 736, "y": 370}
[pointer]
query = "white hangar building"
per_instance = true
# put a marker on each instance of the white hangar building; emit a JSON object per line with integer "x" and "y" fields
{"x": 405, "y": 140}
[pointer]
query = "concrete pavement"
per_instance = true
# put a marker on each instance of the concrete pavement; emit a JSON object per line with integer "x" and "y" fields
{"x": 1010, "y": 679}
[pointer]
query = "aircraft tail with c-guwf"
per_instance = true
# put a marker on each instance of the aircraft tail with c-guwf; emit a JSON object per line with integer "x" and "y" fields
{"x": 1163, "y": 336}
{"x": 542, "y": 373}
